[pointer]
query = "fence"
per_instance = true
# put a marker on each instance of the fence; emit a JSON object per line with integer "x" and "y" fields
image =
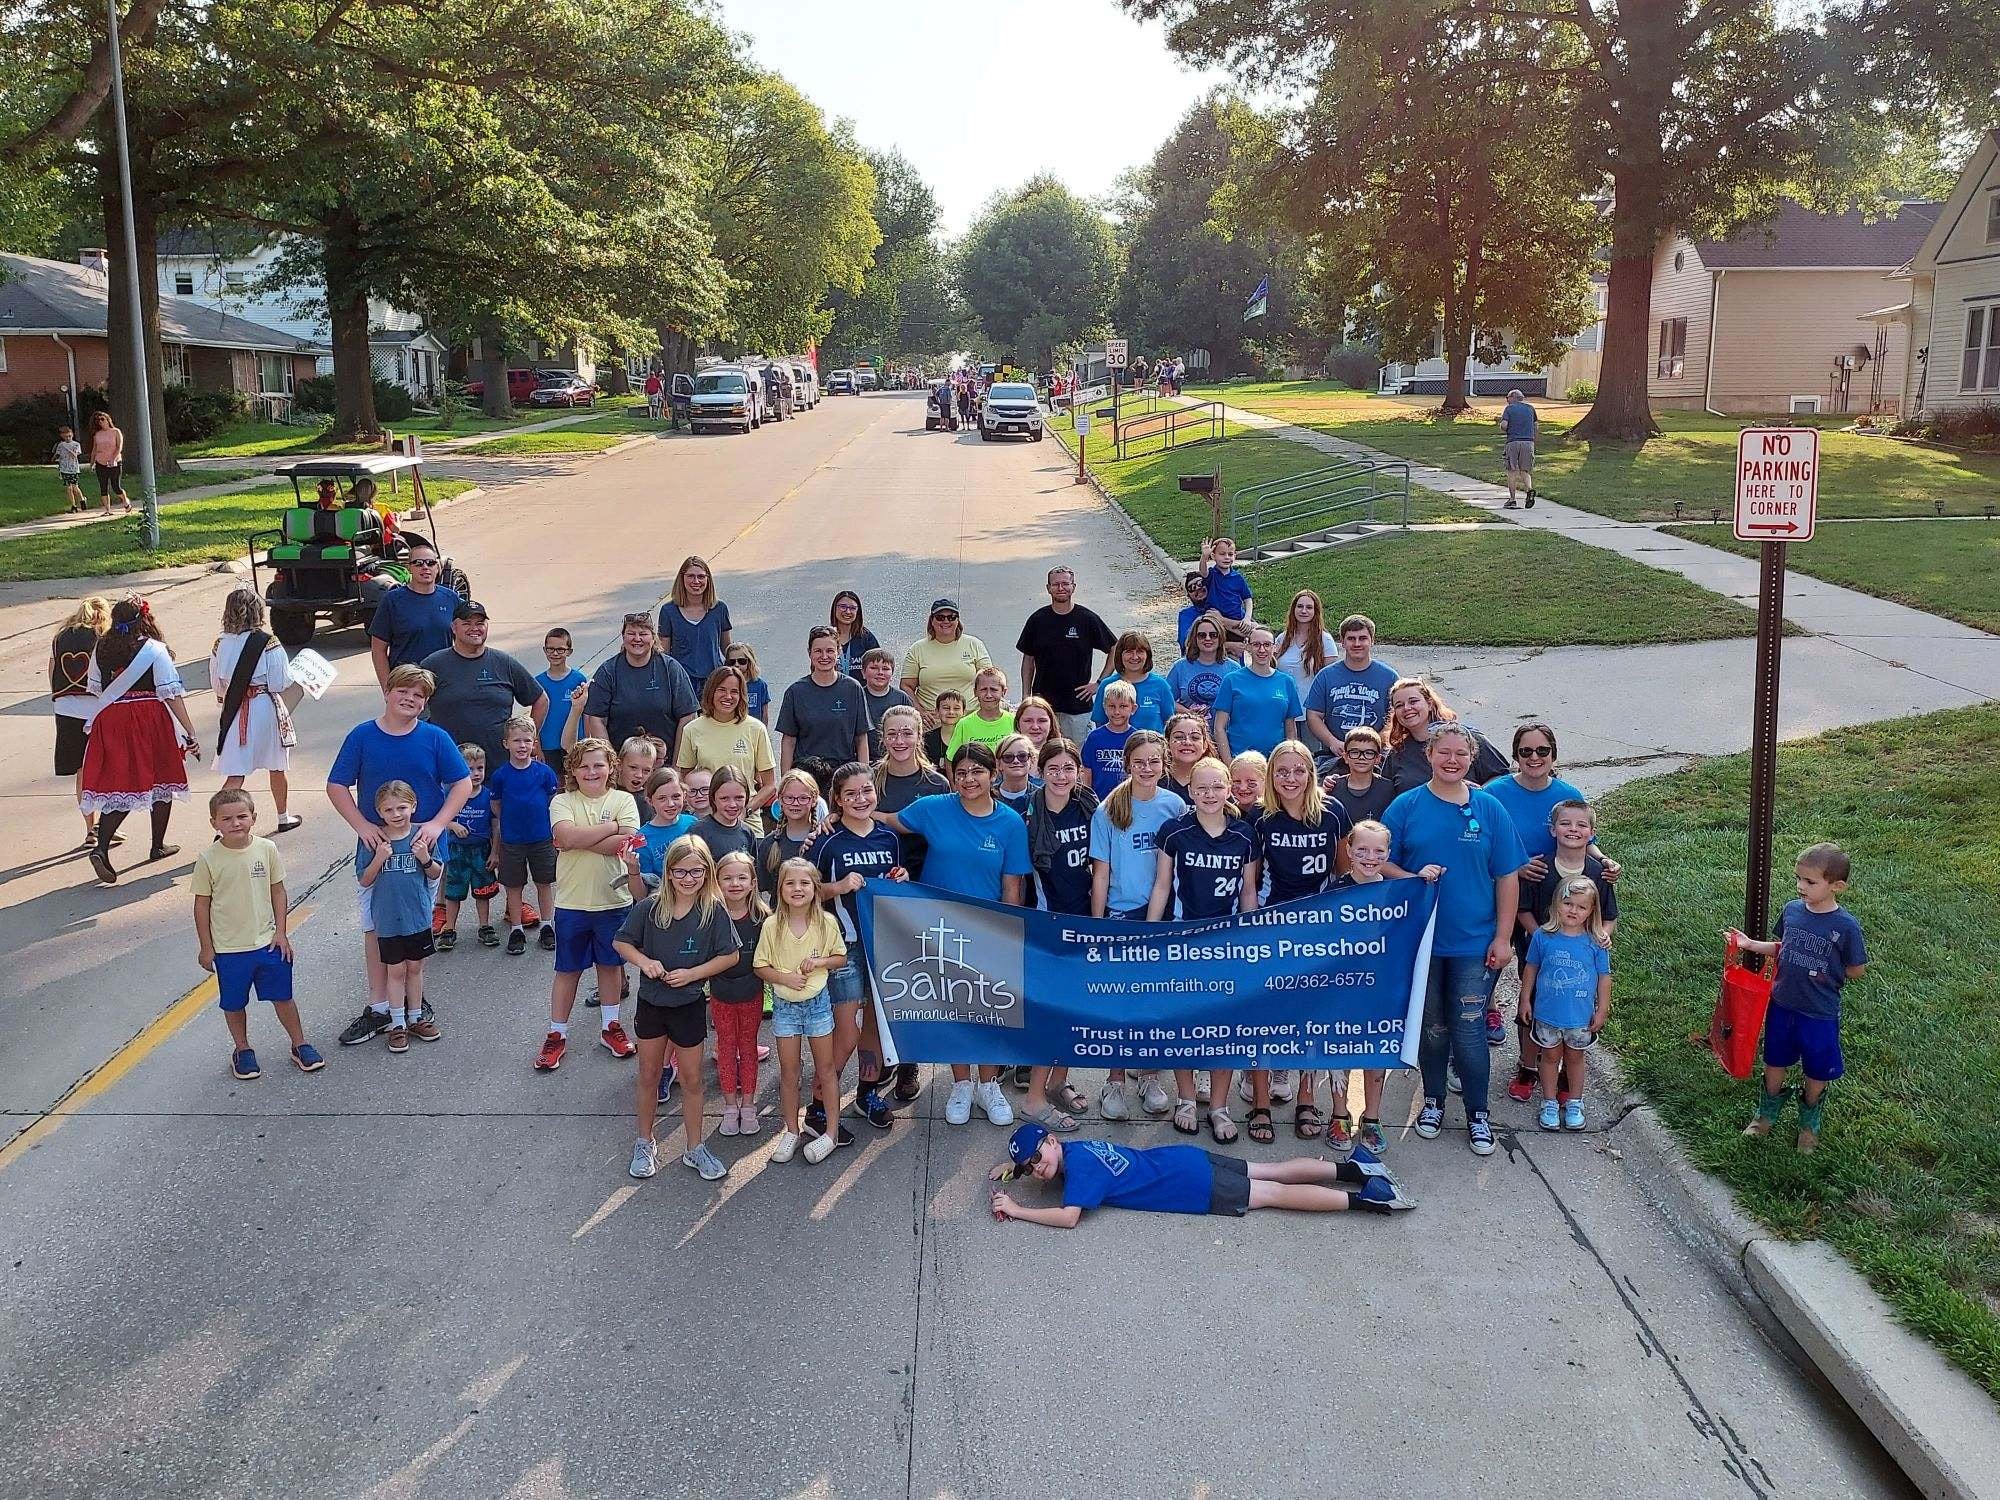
{"x": 1168, "y": 427}
{"x": 1263, "y": 516}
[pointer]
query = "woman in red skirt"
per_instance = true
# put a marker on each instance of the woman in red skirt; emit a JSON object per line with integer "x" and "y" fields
{"x": 135, "y": 757}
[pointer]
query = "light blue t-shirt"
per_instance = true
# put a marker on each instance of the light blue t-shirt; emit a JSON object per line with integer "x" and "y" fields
{"x": 1258, "y": 708}
{"x": 1530, "y": 810}
{"x": 1156, "y": 703}
{"x": 968, "y": 855}
{"x": 1475, "y": 843}
{"x": 1347, "y": 699}
{"x": 558, "y": 689}
{"x": 659, "y": 838}
{"x": 1132, "y": 853}
{"x": 1567, "y": 971}
{"x": 1196, "y": 684}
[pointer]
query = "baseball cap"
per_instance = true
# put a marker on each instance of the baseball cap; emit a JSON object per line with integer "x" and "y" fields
{"x": 1024, "y": 1143}
{"x": 468, "y": 609}
{"x": 938, "y": 604}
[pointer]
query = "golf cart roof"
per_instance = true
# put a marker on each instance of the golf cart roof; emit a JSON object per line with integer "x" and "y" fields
{"x": 347, "y": 468}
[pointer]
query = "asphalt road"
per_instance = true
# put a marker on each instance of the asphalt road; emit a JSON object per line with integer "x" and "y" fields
{"x": 429, "y": 1274}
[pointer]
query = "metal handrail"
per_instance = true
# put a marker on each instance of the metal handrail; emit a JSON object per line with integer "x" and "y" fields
{"x": 1297, "y": 504}
{"x": 1169, "y": 423}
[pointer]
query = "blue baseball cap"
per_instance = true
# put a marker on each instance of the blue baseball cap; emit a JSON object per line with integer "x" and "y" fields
{"x": 1024, "y": 1143}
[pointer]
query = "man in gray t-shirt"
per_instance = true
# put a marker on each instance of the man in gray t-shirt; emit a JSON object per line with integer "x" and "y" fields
{"x": 823, "y": 714}
{"x": 478, "y": 689}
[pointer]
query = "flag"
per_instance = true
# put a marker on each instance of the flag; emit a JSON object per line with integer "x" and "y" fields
{"x": 1257, "y": 300}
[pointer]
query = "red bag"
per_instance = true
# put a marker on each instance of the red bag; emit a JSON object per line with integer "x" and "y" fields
{"x": 1739, "y": 1015}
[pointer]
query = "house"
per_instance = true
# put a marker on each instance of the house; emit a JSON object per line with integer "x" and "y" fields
{"x": 232, "y": 274}
{"x": 1765, "y": 321}
{"x": 52, "y": 336}
{"x": 1949, "y": 327}
{"x": 1579, "y": 362}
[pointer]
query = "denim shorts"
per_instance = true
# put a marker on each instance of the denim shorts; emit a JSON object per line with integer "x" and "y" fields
{"x": 848, "y": 984}
{"x": 1576, "y": 1038}
{"x": 812, "y": 1017}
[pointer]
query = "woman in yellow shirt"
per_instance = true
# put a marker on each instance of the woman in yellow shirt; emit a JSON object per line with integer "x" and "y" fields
{"x": 799, "y": 946}
{"x": 947, "y": 658}
{"x": 724, "y": 734}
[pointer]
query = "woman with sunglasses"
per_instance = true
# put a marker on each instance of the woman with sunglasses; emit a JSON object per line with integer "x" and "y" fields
{"x": 946, "y": 659}
{"x": 1415, "y": 712}
{"x": 756, "y": 691}
{"x": 851, "y": 631}
{"x": 1197, "y": 677}
{"x": 1450, "y": 831}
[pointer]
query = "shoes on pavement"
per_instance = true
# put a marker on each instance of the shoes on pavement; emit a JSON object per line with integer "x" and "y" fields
{"x": 243, "y": 1063}
{"x": 425, "y": 1027}
{"x": 763, "y": 1053}
{"x": 1284, "y": 1086}
{"x": 517, "y": 943}
{"x": 488, "y": 938}
{"x": 819, "y": 1148}
{"x": 1338, "y": 1134}
{"x": 730, "y": 1115}
{"x": 1023, "y": 1077}
{"x": 706, "y": 1162}
{"x": 1153, "y": 1096}
{"x": 547, "y": 940}
{"x": 614, "y": 1040}
{"x": 437, "y": 920}
{"x": 1430, "y": 1120}
{"x": 815, "y": 1118}
{"x": 1370, "y": 1136}
{"x": 786, "y": 1146}
{"x": 993, "y": 1104}
{"x": 398, "y": 1038}
{"x": 1453, "y": 1082}
{"x": 1551, "y": 1116}
{"x": 1480, "y": 1130}
{"x": 1573, "y": 1115}
{"x": 1112, "y": 1103}
{"x": 958, "y": 1104}
{"x": 306, "y": 1058}
{"x": 669, "y": 1076}
{"x": 447, "y": 940}
{"x": 593, "y": 1001}
{"x": 907, "y": 1084}
{"x": 1381, "y": 1195}
{"x": 1522, "y": 1088}
{"x": 870, "y": 1105}
{"x": 554, "y": 1045}
{"x": 1496, "y": 1028}
{"x": 532, "y": 918}
{"x": 365, "y": 1027}
{"x": 747, "y": 1122}
{"x": 645, "y": 1157}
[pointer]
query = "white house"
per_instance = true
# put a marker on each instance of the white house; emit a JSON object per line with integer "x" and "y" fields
{"x": 1426, "y": 377}
{"x": 1952, "y": 354}
{"x": 195, "y": 264}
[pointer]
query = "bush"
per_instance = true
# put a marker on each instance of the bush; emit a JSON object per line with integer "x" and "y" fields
{"x": 1581, "y": 391}
{"x": 314, "y": 395}
{"x": 392, "y": 402}
{"x": 1354, "y": 366}
{"x": 28, "y": 426}
{"x": 1962, "y": 427}
{"x": 193, "y": 415}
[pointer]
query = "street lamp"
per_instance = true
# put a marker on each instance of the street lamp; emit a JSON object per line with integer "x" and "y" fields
{"x": 142, "y": 416}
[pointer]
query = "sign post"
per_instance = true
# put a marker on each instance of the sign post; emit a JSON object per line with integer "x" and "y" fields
{"x": 1115, "y": 352}
{"x": 1082, "y": 421}
{"x": 1777, "y": 500}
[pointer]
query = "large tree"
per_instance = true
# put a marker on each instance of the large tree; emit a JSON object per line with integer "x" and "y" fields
{"x": 904, "y": 305}
{"x": 1036, "y": 268}
{"x": 1699, "y": 115}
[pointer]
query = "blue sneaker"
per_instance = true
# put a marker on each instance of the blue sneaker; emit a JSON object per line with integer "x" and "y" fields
{"x": 244, "y": 1064}
{"x": 706, "y": 1162}
{"x": 1381, "y": 1195}
{"x": 1573, "y": 1115}
{"x": 669, "y": 1076}
{"x": 306, "y": 1058}
{"x": 1551, "y": 1116}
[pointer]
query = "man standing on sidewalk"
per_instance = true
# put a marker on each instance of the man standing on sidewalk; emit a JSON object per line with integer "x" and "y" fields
{"x": 1057, "y": 646}
{"x": 1517, "y": 420}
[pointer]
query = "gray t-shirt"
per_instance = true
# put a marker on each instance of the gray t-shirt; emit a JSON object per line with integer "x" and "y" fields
{"x": 823, "y": 721}
{"x": 477, "y": 694}
{"x": 876, "y": 707}
{"x": 653, "y": 698}
{"x": 686, "y": 942}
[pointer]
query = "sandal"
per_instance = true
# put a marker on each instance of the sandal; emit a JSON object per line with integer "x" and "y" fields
{"x": 1184, "y": 1118}
{"x": 1051, "y": 1119}
{"x": 1222, "y": 1127}
{"x": 1258, "y": 1123}
{"x": 1072, "y": 1099}
{"x": 1308, "y": 1123}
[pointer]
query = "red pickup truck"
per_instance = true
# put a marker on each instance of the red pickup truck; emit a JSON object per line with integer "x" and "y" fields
{"x": 520, "y": 385}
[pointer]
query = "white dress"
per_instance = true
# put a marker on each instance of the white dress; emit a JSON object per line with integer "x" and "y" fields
{"x": 251, "y": 746}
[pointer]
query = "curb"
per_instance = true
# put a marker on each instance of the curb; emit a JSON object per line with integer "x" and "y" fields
{"x": 1940, "y": 1429}
{"x": 1170, "y": 570}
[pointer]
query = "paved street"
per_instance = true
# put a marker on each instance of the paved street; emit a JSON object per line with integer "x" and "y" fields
{"x": 430, "y": 1274}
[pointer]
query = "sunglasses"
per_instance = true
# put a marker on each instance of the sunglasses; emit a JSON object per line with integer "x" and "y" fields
{"x": 1536, "y": 752}
{"x": 423, "y": 562}
{"x": 1017, "y": 755}
{"x": 944, "y": 615}
{"x": 1471, "y": 823}
{"x": 736, "y": 661}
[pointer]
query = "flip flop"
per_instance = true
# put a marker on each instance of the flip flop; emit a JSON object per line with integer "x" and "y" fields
{"x": 1308, "y": 1123}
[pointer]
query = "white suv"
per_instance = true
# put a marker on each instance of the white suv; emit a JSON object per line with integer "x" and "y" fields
{"x": 1010, "y": 406}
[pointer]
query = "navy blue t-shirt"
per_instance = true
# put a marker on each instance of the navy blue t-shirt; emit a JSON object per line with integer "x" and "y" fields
{"x": 1208, "y": 867}
{"x": 840, "y": 854}
{"x": 1164, "y": 1179}
{"x": 523, "y": 793}
{"x": 476, "y": 817}
{"x": 1299, "y": 858}
{"x": 696, "y": 646}
{"x": 1066, "y": 884}
{"x": 414, "y": 624}
{"x": 1819, "y": 947}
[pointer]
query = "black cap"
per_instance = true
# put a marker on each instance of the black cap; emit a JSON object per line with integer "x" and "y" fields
{"x": 938, "y": 604}
{"x": 468, "y": 609}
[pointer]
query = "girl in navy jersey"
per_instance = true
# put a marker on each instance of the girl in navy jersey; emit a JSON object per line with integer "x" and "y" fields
{"x": 855, "y": 848}
{"x": 1059, "y": 849}
{"x": 1208, "y": 861}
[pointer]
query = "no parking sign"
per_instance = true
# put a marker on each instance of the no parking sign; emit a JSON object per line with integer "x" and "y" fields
{"x": 1777, "y": 483}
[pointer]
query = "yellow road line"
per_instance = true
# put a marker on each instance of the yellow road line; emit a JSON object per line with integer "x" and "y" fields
{"x": 123, "y": 1061}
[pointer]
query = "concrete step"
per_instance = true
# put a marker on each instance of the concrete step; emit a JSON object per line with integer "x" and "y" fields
{"x": 1314, "y": 541}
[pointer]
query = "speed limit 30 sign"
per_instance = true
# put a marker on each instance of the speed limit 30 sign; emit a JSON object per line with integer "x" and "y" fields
{"x": 1777, "y": 483}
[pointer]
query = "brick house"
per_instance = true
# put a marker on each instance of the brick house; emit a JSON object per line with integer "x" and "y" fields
{"x": 52, "y": 336}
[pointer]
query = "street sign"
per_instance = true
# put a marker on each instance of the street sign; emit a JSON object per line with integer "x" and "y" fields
{"x": 1115, "y": 351}
{"x": 1777, "y": 483}
{"x": 1083, "y": 424}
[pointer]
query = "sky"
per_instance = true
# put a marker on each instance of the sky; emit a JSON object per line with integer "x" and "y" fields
{"x": 981, "y": 97}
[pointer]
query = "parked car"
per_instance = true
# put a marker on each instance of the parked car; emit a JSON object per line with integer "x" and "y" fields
{"x": 563, "y": 388}
{"x": 864, "y": 379}
{"x": 1010, "y": 406}
{"x": 725, "y": 396}
{"x": 521, "y": 385}
{"x": 777, "y": 391}
{"x": 805, "y": 385}
{"x": 840, "y": 383}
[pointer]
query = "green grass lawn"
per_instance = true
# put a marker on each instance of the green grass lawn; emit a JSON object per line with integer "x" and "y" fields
{"x": 592, "y": 436}
{"x": 1950, "y": 568}
{"x": 1906, "y": 1182}
{"x": 1692, "y": 462}
{"x": 193, "y": 531}
{"x": 264, "y": 439}
{"x": 1500, "y": 586}
{"x": 29, "y": 492}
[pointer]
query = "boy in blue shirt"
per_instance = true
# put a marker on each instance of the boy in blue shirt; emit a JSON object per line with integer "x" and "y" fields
{"x": 1184, "y": 1180}
{"x": 1819, "y": 949}
{"x": 468, "y": 868}
{"x": 558, "y": 682}
{"x": 523, "y": 842}
{"x": 1228, "y": 590}
{"x": 1104, "y": 747}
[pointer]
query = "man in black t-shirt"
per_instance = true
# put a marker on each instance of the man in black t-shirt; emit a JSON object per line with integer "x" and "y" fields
{"x": 1057, "y": 646}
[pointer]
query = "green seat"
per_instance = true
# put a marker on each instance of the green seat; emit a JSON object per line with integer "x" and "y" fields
{"x": 327, "y": 536}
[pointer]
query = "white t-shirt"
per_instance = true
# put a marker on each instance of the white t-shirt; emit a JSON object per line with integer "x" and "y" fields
{"x": 1292, "y": 663}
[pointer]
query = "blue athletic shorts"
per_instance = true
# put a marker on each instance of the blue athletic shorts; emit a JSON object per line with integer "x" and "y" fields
{"x": 264, "y": 970}
{"x": 583, "y": 938}
{"x": 1790, "y": 1037}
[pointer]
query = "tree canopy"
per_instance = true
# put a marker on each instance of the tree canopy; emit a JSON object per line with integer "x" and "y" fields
{"x": 1036, "y": 270}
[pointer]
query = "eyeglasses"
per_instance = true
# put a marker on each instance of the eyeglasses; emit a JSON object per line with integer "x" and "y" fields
{"x": 1536, "y": 752}
{"x": 1363, "y": 752}
{"x": 687, "y": 872}
{"x": 558, "y": 650}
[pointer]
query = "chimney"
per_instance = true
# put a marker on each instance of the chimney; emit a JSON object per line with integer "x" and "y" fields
{"x": 95, "y": 259}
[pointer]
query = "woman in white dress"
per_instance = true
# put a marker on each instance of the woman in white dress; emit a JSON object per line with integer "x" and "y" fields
{"x": 254, "y": 739}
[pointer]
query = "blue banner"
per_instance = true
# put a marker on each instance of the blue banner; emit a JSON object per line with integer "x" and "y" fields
{"x": 1333, "y": 981}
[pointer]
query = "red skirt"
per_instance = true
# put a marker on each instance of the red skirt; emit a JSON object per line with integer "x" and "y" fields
{"x": 133, "y": 757}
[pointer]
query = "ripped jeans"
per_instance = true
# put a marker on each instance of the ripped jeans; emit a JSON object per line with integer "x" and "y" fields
{"x": 1455, "y": 1028}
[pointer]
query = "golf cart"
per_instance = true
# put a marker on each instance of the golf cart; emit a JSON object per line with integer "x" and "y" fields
{"x": 336, "y": 552}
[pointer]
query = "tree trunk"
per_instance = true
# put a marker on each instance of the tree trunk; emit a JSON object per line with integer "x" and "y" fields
{"x": 1623, "y": 409}
{"x": 495, "y": 400}
{"x": 1457, "y": 339}
{"x": 676, "y": 352}
{"x": 354, "y": 418}
{"x": 120, "y": 336}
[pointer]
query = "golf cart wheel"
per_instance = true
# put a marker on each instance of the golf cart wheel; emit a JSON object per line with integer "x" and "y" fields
{"x": 454, "y": 579}
{"x": 293, "y": 626}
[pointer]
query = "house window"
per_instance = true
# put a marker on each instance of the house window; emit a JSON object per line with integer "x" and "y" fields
{"x": 1979, "y": 369}
{"x": 1993, "y": 219}
{"x": 3, "y": 356}
{"x": 236, "y": 281}
{"x": 1672, "y": 361}
{"x": 273, "y": 373}
{"x": 1680, "y": 260}
{"x": 174, "y": 363}
{"x": 1805, "y": 406}
{"x": 183, "y": 283}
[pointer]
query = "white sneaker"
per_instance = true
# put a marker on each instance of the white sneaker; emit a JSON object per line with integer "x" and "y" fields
{"x": 958, "y": 1104}
{"x": 993, "y": 1104}
{"x": 1153, "y": 1096}
{"x": 1242, "y": 1088}
{"x": 1201, "y": 1088}
{"x": 786, "y": 1146}
{"x": 1283, "y": 1089}
{"x": 1112, "y": 1104}
{"x": 820, "y": 1147}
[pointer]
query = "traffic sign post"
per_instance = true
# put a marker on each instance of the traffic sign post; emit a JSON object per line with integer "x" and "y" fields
{"x": 1777, "y": 499}
{"x": 1115, "y": 352}
{"x": 1082, "y": 421}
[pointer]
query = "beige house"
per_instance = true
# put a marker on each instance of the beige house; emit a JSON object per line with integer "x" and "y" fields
{"x": 1767, "y": 320}
{"x": 1949, "y": 328}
